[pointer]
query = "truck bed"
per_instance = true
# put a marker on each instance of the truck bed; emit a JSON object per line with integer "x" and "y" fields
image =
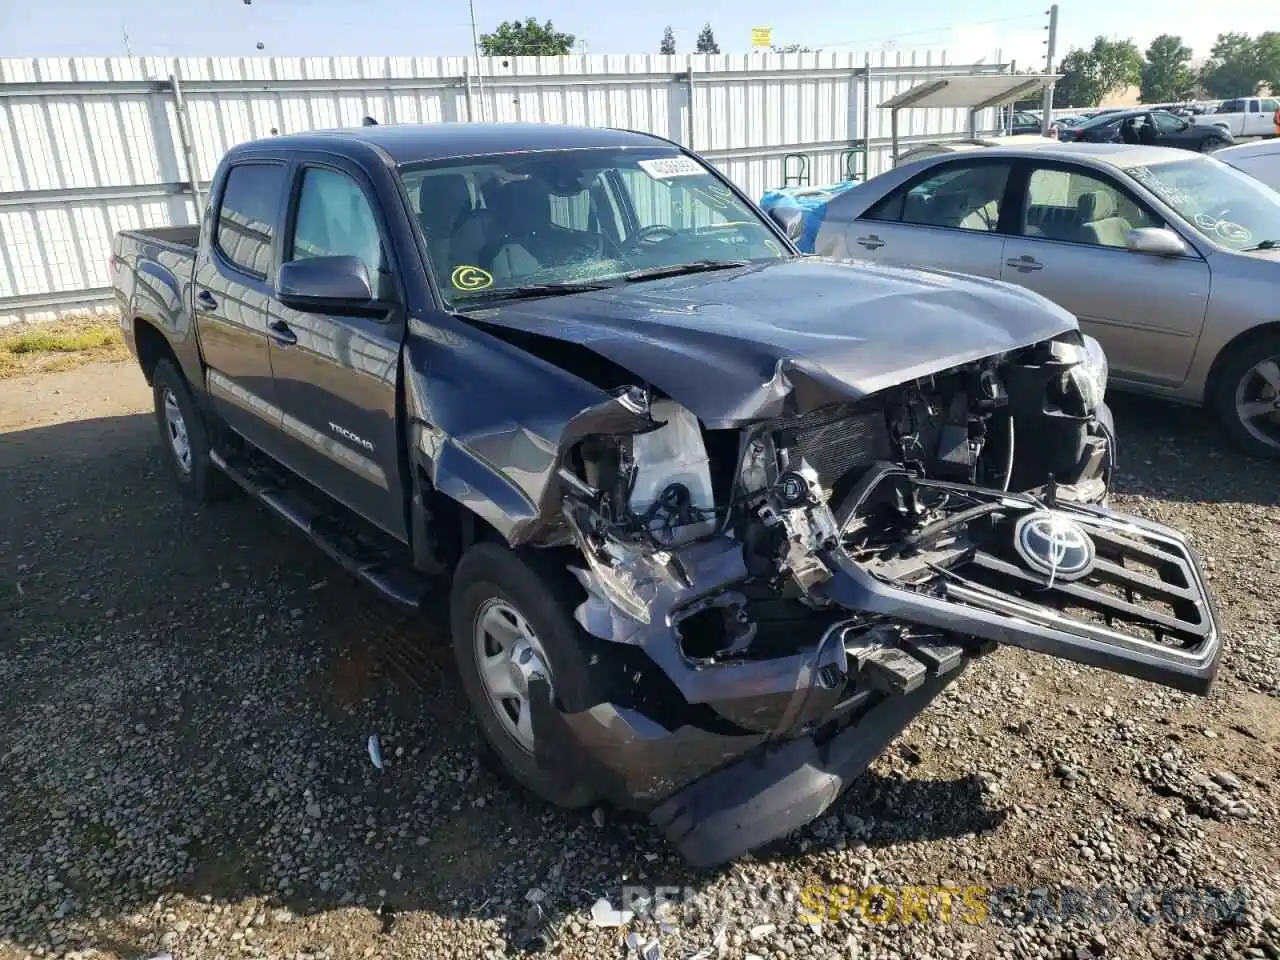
{"x": 182, "y": 239}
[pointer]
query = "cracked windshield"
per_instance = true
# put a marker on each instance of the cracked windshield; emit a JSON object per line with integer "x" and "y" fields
{"x": 1227, "y": 206}
{"x": 571, "y": 220}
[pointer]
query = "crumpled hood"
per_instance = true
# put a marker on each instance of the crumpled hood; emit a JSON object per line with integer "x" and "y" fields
{"x": 789, "y": 336}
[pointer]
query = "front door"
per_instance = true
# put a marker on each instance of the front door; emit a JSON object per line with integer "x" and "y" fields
{"x": 230, "y": 297}
{"x": 947, "y": 218}
{"x": 336, "y": 374}
{"x": 1069, "y": 244}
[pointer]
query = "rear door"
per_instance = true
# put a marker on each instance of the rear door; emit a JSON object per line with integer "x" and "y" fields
{"x": 231, "y": 293}
{"x": 1069, "y": 244}
{"x": 947, "y": 218}
{"x": 336, "y": 373}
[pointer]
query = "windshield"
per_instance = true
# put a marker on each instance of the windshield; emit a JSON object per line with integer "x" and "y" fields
{"x": 546, "y": 222}
{"x": 1225, "y": 205}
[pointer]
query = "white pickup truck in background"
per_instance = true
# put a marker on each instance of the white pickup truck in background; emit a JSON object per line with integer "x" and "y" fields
{"x": 1244, "y": 116}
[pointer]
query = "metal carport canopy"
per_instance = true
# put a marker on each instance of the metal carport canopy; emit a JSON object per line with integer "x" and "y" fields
{"x": 975, "y": 92}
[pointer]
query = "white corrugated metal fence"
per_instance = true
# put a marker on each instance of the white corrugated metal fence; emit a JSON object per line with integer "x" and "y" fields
{"x": 89, "y": 146}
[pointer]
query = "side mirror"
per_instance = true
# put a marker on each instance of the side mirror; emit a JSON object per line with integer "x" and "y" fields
{"x": 1157, "y": 241}
{"x": 319, "y": 282}
{"x": 790, "y": 219}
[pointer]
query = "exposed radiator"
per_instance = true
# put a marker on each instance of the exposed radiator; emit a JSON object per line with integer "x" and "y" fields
{"x": 835, "y": 440}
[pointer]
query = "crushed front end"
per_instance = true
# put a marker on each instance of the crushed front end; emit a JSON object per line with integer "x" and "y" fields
{"x": 775, "y": 603}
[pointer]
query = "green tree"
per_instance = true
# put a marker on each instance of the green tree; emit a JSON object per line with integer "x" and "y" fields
{"x": 707, "y": 41}
{"x": 668, "y": 42}
{"x": 1167, "y": 75}
{"x": 1269, "y": 59}
{"x": 527, "y": 39}
{"x": 1090, "y": 74}
{"x": 1235, "y": 67}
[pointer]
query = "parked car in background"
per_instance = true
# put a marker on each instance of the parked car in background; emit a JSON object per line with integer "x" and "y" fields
{"x": 1260, "y": 159}
{"x": 575, "y": 378}
{"x": 1244, "y": 117}
{"x": 1024, "y": 122}
{"x": 1171, "y": 260}
{"x": 1148, "y": 127}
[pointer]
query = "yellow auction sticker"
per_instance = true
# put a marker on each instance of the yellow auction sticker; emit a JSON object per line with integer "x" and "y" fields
{"x": 471, "y": 278}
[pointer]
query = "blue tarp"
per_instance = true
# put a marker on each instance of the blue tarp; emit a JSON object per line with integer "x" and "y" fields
{"x": 811, "y": 202}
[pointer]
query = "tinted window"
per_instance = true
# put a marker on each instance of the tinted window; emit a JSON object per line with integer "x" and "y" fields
{"x": 965, "y": 196}
{"x": 1076, "y": 207}
{"x": 335, "y": 219}
{"x": 1167, "y": 122}
{"x": 1232, "y": 106}
{"x": 246, "y": 216}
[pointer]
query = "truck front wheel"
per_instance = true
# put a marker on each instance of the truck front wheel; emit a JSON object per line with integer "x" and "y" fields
{"x": 512, "y": 617}
{"x": 185, "y": 439}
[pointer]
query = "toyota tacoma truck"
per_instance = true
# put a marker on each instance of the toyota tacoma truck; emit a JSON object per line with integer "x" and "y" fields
{"x": 716, "y": 519}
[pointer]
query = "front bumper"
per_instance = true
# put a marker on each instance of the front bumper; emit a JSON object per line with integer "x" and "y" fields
{"x": 765, "y": 745}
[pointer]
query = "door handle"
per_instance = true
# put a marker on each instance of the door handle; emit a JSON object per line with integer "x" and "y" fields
{"x": 1025, "y": 263}
{"x": 206, "y": 301}
{"x": 282, "y": 334}
{"x": 871, "y": 242}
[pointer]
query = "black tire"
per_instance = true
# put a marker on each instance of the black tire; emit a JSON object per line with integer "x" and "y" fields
{"x": 1210, "y": 144}
{"x": 1234, "y": 367}
{"x": 544, "y": 596}
{"x": 198, "y": 479}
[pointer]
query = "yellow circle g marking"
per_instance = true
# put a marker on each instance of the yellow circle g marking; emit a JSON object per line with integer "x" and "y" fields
{"x": 471, "y": 278}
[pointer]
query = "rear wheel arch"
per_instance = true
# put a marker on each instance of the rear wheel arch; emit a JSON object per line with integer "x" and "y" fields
{"x": 152, "y": 346}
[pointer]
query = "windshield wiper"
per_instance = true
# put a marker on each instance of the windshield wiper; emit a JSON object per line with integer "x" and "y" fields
{"x": 531, "y": 290}
{"x": 1264, "y": 245}
{"x": 677, "y": 269}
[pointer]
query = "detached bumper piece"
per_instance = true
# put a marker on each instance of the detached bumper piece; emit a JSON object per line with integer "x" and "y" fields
{"x": 778, "y": 789}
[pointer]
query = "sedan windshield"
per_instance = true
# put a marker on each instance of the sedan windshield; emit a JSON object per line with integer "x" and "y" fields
{"x": 1225, "y": 205}
{"x": 555, "y": 222}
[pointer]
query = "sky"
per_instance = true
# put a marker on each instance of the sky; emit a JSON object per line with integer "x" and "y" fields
{"x": 1015, "y": 28}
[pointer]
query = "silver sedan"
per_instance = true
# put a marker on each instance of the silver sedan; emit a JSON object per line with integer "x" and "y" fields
{"x": 1171, "y": 260}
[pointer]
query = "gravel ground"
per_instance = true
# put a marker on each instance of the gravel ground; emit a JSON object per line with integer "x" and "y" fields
{"x": 187, "y": 697}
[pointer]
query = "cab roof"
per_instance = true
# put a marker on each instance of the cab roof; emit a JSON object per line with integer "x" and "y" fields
{"x": 411, "y": 142}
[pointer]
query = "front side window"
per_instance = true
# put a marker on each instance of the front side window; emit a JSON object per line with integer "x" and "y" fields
{"x": 963, "y": 196}
{"x": 247, "y": 214}
{"x": 587, "y": 216}
{"x": 1077, "y": 207}
{"x": 1221, "y": 203}
{"x": 334, "y": 219}
{"x": 1167, "y": 123}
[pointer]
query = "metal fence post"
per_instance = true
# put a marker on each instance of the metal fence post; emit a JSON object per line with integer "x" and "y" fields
{"x": 691, "y": 107}
{"x": 188, "y": 153}
{"x": 866, "y": 117}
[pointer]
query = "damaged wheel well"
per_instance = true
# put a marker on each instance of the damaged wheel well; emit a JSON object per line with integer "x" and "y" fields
{"x": 444, "y": 529}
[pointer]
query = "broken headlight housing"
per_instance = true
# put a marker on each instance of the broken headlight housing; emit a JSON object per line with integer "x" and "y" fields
{"x": 1090, "y": 374}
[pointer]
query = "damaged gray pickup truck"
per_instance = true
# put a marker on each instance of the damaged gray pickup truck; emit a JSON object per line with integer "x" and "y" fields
{"x": 718, "y": 520}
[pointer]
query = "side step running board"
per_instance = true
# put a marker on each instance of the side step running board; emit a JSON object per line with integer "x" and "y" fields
{"x": 399, "y": 584}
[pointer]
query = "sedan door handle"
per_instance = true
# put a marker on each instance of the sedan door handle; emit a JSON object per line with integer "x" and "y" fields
{"x": 1025, "y": 263}
{"x": 283, "y": 334}
{"x": 206, "y": 301}
{"x": 871, "y": 242}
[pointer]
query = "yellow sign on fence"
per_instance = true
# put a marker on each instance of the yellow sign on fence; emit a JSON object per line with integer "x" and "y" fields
{"x": 762, "y": 36}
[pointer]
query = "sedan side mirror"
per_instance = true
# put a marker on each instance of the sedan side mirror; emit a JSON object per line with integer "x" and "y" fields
{"x": 1157, "y": 241}
{"x": 324, "y": 282}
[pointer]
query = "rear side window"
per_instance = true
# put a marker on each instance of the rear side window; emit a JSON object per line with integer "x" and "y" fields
{"x": 963, "y": 196}
{"x": 247, "y": 214}
{"x": 335, "y": 219}
{"x": 1232, "y": 106}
